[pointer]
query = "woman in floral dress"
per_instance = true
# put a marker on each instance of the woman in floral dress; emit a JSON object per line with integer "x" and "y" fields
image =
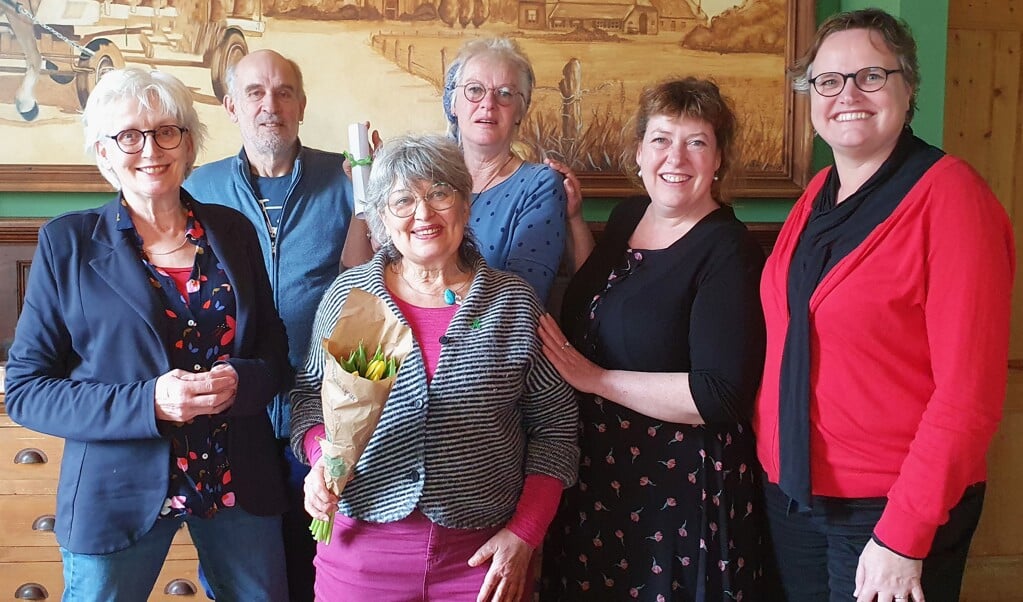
{"x": 665, "y": 339}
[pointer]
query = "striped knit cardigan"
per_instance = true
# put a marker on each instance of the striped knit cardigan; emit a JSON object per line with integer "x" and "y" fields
{"x": 459, "y": 448}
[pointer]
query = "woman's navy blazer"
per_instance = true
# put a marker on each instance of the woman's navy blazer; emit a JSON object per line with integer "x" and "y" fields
{"x": 87, "y": 351}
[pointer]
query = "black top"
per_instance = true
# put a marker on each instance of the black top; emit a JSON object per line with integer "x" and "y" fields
{"x": 691, "y": 307}
{"x": 664, "y": 510}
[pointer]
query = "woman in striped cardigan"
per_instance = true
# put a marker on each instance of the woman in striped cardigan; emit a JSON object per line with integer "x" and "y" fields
{"x": 478, "y": 437}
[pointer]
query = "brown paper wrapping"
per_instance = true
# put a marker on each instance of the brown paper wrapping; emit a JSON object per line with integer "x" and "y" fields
{"x": 352, "y": 405}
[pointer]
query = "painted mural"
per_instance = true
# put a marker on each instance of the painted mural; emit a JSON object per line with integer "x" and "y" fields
{"x": 383, "y": 60}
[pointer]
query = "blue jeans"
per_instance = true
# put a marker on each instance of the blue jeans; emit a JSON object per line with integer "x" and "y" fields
{"x": 817, "y": 550}
{"x": 242, "y": 554}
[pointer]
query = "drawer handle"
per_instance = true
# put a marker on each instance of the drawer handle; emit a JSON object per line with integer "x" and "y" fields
{"x": 31, "y": 591}
{"x": 30, "y": 455}
{"x": 180, "y": 587}
{"x": 43, "y": 523}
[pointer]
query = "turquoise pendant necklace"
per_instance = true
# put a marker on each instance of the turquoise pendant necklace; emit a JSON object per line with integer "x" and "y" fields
{"x": 454, "y": 297}
{"x": 451, "y": 296}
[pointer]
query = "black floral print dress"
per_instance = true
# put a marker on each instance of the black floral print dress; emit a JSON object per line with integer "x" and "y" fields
{"x": 665, "y": 511}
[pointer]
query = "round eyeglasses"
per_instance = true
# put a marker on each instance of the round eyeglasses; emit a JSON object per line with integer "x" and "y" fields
{"x": 867, "y": 79}
{"x": 504, "y": 95}
{"x": 167, "y": 137}
{"x": 404, "y": 203}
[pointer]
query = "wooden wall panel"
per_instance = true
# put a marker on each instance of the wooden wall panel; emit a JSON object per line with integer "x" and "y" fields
{"x": 996, "y": 556}
{"x": 1005, "y": 149}
{"x": 985, "y": 14}
{"x": 983, "y": 122}
{"x": 968, "y": 80}
{"x": 983, "y": 119}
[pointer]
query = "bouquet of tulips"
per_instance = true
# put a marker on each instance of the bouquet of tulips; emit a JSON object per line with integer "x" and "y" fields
{"x": 356, "y": 386}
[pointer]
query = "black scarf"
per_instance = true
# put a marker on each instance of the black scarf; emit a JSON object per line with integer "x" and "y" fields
{"x": 831, "y": 233}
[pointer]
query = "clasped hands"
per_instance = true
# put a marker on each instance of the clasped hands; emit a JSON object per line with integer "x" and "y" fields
{"x": 182, "y": 395}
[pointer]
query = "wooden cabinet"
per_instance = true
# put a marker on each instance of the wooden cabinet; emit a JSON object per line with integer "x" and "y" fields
{"x": 30, "y": 566}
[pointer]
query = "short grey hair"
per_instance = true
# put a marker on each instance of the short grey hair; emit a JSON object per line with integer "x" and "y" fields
{"x": 405, "y": 160}
{"x": 502, "y": 50}
{"x": 156, "y": 92}
{"x": 231, "y": 77}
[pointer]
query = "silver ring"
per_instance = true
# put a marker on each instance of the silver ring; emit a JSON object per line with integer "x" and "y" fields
{"x": 566, "y": 345}
{"x": 898, "y": 597}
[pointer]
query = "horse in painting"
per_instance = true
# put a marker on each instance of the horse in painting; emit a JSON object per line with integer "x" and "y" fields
{"x": 24, "y": 33}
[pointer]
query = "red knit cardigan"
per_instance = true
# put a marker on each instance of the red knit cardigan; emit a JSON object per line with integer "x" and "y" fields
{"x": 909, "y": 344}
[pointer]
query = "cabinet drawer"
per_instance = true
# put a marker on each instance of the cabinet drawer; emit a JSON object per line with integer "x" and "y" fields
{"x": 32, "y": 580}
{"x": 27, "y": 521}
{"x": 177, "y": 581}
{"x": 29, "y": 461}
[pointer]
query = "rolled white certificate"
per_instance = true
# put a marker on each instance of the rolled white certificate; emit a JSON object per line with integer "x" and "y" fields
{"x": 358, "y": 146}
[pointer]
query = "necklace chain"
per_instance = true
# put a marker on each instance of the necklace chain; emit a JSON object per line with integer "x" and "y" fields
{"x": 493, "y": 177}
{"x": 455, "y": 293}
{"x": 184, "y": 241}
{"x": 174, "y": 250}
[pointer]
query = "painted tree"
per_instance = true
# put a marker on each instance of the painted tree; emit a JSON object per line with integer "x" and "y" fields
{"x": 480, "y": 13}
{"x": 446, "y": 12}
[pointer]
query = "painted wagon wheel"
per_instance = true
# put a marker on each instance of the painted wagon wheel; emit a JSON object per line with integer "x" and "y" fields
{"x": 230, "y": 50}
{"x": 106, "y": 58}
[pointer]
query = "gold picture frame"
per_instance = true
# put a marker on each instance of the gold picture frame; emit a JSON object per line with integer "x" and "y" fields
{"x": 590, "y": 58}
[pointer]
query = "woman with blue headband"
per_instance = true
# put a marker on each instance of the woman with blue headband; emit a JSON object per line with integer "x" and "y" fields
{"x": 518, "y": 208}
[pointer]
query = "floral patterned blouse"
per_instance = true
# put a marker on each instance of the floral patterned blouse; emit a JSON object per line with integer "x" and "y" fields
{"x": 200, "y": 329}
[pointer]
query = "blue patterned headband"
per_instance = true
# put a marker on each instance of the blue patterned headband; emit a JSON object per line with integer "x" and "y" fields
{"x": 450, "y": 83}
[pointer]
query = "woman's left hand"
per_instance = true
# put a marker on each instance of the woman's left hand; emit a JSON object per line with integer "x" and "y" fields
{"x": 573, "y": 366}
{"x": 509, "y": 564}
{"x": 885, "y": 576}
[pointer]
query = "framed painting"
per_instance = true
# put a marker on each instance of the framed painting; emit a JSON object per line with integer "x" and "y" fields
{"x": 383, "y": 61}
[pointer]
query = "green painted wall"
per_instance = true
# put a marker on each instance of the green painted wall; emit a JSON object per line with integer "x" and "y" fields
{"x": 47, "y": 204}
{"x": 927, "y": 18}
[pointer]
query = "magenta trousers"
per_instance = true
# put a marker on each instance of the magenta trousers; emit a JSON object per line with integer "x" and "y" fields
{"x": 409, "y": 560}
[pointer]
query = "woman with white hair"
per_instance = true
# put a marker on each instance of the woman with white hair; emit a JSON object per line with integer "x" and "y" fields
{"x": 517, "y": 208}
{"x": 149, "y": 342}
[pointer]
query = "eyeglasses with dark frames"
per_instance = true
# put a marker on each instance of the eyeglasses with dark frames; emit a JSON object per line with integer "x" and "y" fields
{"x": 867, "y": 79}
{"x": 404, "y": 203}
{"x": 504, "y": 95}
{"x": 132, "y": 141}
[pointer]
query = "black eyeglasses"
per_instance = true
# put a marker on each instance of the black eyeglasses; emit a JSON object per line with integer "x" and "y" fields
{"x": 403, "y": 203}
{"x": 167, "y": 137}
{"x": 867, "y": 79}
{"x": 504, "y": 95}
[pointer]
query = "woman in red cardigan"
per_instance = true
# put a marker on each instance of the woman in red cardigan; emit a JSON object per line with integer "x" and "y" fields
{"x": 887, "y": 301}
